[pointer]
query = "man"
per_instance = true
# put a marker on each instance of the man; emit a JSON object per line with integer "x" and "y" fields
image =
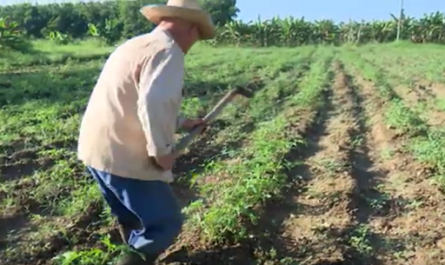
{"x": 127, "y": 132}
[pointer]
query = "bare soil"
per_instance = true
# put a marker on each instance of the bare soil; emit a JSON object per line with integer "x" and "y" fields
{"x": 321, "y": 218}
{"x": 412, "y": 228}
{"x": 357, "y": 198}
{"x": 426, "y": 95}
{"x": 437, "y": 89}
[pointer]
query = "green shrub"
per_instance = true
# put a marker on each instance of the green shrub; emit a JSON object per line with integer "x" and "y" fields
{"x": 11, "y": 36}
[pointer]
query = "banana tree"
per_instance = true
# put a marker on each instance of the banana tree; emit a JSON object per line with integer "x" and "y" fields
{"x": 292, "y": 31}
{"x": 11, "y": 36}
{"x": 232, "y": 32}
{"x": 325, "y": 31}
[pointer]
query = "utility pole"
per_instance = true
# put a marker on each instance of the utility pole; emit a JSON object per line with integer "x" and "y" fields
{"x": 399, "y": 24}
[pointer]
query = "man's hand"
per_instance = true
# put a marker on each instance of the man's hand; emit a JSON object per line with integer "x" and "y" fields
{"x": 165, "y": 162}
{"x": 190, "y": 124}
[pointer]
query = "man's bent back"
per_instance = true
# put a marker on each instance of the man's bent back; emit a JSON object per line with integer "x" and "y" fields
{"x": 111, "y": 136}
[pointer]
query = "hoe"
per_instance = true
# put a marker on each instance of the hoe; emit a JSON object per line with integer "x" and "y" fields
{"x": 186, "y": 140}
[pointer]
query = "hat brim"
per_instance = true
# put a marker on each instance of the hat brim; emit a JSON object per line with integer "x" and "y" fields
{"x": 155, "y": 13}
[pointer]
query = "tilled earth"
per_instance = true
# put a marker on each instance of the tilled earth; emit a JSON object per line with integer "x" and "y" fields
{"x": 357, "y": 198}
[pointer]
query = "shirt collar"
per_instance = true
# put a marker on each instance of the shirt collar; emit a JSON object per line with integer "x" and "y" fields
{"x": 168, "y": 37}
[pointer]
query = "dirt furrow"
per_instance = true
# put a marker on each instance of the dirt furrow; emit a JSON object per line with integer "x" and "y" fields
{"x": 421, "y": 96}
{"x": 436, "y": 90}
{"x": 297, "y": 219}
{"x": 361, "y": 242}
{"x": 424, "y": 90}
{"x": 413, "y": 95}
{"x": 326, "y": 214}
{"x": 411, "y": 209}
{"x": 432, "y": 95}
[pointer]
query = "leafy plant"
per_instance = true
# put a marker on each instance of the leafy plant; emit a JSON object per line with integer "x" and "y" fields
{"x": 59, "y": 38}
{"x": 91, "y": 256}
{"x": 109, "y": 33}
{"x": 11, "y": 36}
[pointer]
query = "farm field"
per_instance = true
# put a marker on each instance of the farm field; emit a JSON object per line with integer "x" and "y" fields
{"x": 337, "y": 160}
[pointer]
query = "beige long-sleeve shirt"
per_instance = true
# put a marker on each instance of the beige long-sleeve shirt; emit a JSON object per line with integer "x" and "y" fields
{"x": 133, "y": 111}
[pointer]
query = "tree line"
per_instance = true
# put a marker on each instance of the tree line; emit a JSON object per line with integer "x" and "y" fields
{"x": 118, "y": 19}
{"x": 292, "y": 31}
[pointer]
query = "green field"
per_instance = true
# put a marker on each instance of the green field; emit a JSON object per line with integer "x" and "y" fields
{"x": 338, "y": 158}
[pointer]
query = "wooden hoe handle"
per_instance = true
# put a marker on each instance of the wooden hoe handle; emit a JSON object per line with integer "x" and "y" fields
{"x": 186, "y": 140}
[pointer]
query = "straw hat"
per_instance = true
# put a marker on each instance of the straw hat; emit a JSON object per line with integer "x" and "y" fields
{"x": 185, "y": 9}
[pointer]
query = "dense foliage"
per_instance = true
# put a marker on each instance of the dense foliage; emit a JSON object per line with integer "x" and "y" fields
{"x": 293, "y": 31}
{"x": 117, "y": 20}
{"x": 124, "y": 17}
{"x": 11, "y": 35}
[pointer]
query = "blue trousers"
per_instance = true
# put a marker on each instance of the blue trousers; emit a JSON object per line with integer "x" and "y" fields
{"x": 150, "y": 204}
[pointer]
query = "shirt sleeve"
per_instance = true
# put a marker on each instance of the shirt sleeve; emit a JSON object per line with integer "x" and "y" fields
{"x": 160, "y": 99}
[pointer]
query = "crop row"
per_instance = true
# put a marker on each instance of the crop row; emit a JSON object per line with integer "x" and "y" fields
{"x": 425, "y": 142}
{"x": 257, "y": 174}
